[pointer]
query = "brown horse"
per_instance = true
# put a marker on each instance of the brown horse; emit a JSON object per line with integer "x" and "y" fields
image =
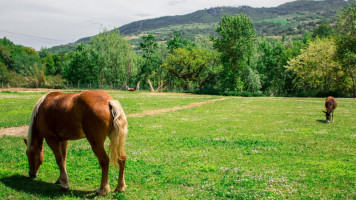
{"x": 330, "y": 105}
{"x": 58, "y": 117}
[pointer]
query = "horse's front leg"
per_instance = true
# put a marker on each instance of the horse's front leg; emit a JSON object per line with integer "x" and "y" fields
{"x": 103, "y": 158}
{"x": 332, "y": 116}
{"x": 60, "y": 152}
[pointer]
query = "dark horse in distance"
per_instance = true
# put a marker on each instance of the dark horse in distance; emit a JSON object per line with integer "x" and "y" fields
{"x": 58, "y": 117}
{"x": 330, "y": 105}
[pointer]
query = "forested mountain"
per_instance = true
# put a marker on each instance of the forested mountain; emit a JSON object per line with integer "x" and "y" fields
{"x": 294, "y": 13}
{"x": 287, "y": 19}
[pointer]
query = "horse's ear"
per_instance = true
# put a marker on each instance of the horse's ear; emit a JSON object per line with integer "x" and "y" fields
{"x": 24, "y": 139}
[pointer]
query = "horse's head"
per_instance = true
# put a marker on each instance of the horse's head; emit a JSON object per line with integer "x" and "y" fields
{"x": 328, "y": 116}
{"x": 35, "y": 158}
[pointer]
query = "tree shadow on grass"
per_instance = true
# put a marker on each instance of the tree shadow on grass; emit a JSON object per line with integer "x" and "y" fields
{"x": 33, "y": 186}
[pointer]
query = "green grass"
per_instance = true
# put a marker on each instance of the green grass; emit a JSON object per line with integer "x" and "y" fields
{"x": 16, "y": 108}
{"x": 239, "y": 148}
{"x": 277, "y": 20}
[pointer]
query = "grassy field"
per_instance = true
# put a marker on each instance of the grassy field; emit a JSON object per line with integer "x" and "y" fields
{"x": 239, "y": 148}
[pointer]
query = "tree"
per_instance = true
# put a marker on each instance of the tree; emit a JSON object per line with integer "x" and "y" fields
{"x": 4, "y": 73}
{"x": 48, "y": 61}
{"x": 17, "y": 57}
{"x": 115, "y": 57}
{"x": 82, "y": 67}
{"x": 252, "y": 82}
{"x": 235, "y": 44}
{"x": 191, "y": 66}
{"x": 178, "y": 42}
{"x": 346, "y": 42}
{"x": 324, "y": 30}
{"x": 270, "y": 65}
{"x": 315, "y": 67}
{"x": 150, "y": 67}
{"x": 43, "y": 53}
{"x": 6, "y": 57}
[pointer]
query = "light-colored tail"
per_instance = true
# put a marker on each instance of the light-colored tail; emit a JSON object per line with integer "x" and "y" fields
{"x": 33, "y": 115}
{"x": 118, "y": 133}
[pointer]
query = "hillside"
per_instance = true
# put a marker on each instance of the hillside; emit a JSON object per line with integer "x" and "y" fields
{"x": 288, "y": 19}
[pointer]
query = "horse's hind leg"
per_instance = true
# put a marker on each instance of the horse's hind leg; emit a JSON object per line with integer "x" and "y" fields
{"x": 99, "y": 151}
{"x": 121, "y": 183}
{"x": 60, "y": 152}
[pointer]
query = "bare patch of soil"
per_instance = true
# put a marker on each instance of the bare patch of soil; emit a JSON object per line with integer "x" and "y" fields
{"x": 14, "y": 131}
{"x": 29, "y": 90}
{"x": 22, "y": 130}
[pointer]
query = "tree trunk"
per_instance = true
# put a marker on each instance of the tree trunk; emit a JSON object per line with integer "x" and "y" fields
{"x": 151, "y": 88}
{"x": 138, "y": 86}
{"x": 125, "y": 86}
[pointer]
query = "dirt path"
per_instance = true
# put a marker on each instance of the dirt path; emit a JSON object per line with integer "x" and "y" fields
{"x": 14, "y": 131}
{"x": 22, "y": 130}
{"x": 163, "y": 110}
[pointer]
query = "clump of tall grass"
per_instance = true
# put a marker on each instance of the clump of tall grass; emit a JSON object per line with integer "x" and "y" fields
{"x": 35, "y": 75}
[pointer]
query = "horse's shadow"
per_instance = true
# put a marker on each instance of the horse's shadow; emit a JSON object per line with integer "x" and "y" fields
{"x": 321, "y": 121}
{"x": 33, "y": 186}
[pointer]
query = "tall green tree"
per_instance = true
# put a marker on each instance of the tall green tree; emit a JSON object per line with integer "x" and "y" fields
{"x": 346, "y": 42}
{"x": 150, "y": 66}
{"x": 48, "y": 61}
{"x": 272, "y": 58}
{"x": 115, "y": 57}
{"x": 235, "y": 43}
{"x": 83, "y": 67}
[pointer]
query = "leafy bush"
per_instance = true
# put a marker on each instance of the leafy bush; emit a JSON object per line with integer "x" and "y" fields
{"x": 56, "y": 82}
{"x": 36, "y": 76}
{"x": 242, "y": 94}
{"x": 15, "y": 79}
{"x": 207, "y": 91}
{"x": 320, "y": 93}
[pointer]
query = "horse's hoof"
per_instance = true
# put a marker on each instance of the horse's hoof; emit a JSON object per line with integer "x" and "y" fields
{"x": 64, "y": 188}
{"x": 103, "y": 192}
{"x": 32, "y": 175}
{"x": 120, "y": 189}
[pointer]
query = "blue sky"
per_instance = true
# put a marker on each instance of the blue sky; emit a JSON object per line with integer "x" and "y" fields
{"x": 46, "y": 23}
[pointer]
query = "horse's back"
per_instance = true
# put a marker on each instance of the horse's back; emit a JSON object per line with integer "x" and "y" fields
{"x": 72, "y": 116}
{"x": 330, "y": 103}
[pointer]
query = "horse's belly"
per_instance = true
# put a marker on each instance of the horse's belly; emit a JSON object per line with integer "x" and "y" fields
{"x": 71, "y": 133}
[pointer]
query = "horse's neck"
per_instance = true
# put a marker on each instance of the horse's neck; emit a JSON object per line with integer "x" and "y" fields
{"x": 36, "y": 143}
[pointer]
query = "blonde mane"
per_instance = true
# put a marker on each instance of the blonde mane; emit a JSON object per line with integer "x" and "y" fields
{"x": 33, "y": 115}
